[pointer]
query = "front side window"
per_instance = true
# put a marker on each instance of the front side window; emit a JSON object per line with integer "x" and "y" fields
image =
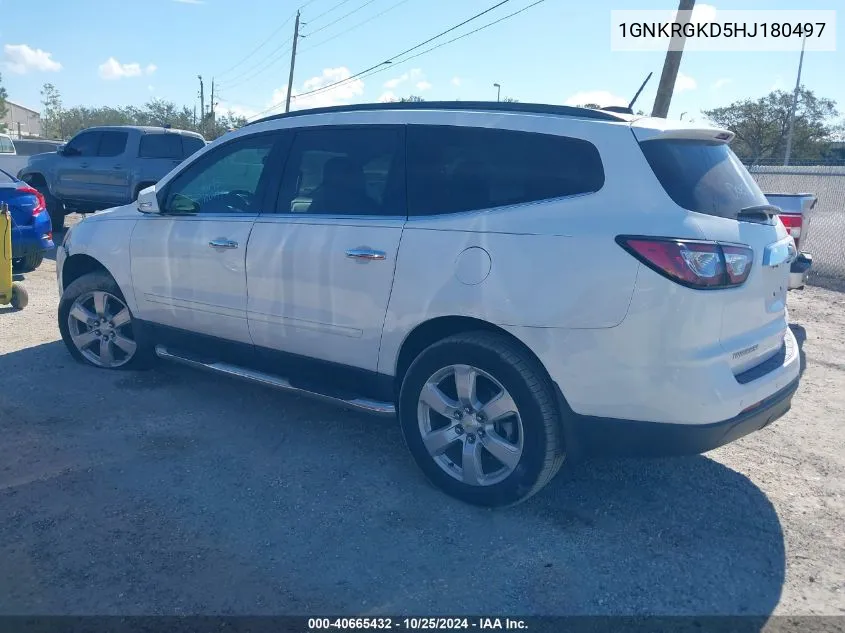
{"x": 345, "y": 171}
{"x": 226, "y": 180}
{"x": 160, "y": 146}
{"x": 453, "y": 169}
{"x": 112, "y": 144}
{"x": 84, "y": 144}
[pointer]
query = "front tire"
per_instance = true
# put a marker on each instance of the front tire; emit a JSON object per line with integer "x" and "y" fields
{"x": 479, "y": 415}
{"x": 97, "y": 326}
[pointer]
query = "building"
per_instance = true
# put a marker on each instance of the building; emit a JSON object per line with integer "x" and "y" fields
{"x": 22, "y": 122}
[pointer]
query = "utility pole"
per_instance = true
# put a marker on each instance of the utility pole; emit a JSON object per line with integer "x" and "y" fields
{"x": 212, "y": 104}
{"x": 672, "y": 63}
{"x": 292, "y": 62}
{"x": 794, "y": 106}
{"x": 202, "y": 105}
{"x": 498, "y": 92}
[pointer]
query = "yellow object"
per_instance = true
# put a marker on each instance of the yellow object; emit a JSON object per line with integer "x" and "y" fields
{"x": 10, "y": 291}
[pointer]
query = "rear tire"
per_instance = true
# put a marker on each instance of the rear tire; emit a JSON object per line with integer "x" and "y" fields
{"x": 27, "y": 263}
{"x": 20, "y": 297}
{"x": 512, "y": 414}
{"x": 97, "y": 326}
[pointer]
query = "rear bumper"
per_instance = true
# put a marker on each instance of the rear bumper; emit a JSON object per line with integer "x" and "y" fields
{"x": 28, "y": 240}
{"x": 600, "y": 437}
{"x": 800, "y": 270}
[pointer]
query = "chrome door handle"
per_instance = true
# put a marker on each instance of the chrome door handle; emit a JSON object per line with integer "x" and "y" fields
{"x": 223, "y": 244}
{"x": 365, "y": 253}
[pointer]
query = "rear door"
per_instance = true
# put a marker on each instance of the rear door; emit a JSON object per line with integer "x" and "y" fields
{"x": 704, "y": 176}
{"x": 159, "y": 153}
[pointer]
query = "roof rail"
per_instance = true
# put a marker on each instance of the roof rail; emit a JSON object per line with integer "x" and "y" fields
{"x": 488, "y": 106}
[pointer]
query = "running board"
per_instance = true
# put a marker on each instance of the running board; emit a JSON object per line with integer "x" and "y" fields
{"x": 277, "y": 382}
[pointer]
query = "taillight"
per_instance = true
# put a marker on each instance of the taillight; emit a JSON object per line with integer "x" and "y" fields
{"x": 793, "y": 223}
{"x": 692, "y": 263}
{"x": 41, "y": 204}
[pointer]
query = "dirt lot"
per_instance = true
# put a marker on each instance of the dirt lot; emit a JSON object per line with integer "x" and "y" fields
{"x": 172, "y": 492}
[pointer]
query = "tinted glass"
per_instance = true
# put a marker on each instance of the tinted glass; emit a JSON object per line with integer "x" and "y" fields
{"x": 6, "y": 145}
{"x": 191, "y": 145}
{"x": 345, "y": 171}
{"x": 224, "y": 181}
{"x": 112, "y": 144}
{"x": 30, "y": 148}
{"x": 160, "y": 146}
{"x": 84, "y": 144}
{"x": 453, "y": 169}
{"x": 702, "y": 176}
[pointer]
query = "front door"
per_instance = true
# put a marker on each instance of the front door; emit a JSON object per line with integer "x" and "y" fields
{"x": 73, "y": 167}
{"x": 108, "y": 171}
{"x": 320, "y": 270}
{"x": 188, "y": 262}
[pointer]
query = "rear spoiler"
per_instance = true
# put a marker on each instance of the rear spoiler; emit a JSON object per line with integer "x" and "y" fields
{"x": 652, "y": 129}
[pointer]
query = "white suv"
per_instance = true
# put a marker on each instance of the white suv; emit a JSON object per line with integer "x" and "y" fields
{"x": 523, "y": 284}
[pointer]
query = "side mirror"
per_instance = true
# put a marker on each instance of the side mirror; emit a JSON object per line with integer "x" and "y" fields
{"x": 147, "y": 200}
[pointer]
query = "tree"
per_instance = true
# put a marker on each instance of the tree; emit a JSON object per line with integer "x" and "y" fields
{"x": 510, "y": 100}
{"x": 413, "y": 98}
{"x": 52, "y": 115}
{"x": 4, "y": 110}
{"x": 761, "y": 125}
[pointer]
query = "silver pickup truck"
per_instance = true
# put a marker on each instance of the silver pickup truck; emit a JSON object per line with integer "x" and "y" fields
{"x": 795, "y": 215}
{"x": 104, "y": 167}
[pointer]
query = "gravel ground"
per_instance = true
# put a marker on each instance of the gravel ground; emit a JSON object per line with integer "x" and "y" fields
{"x": 174, "y": 492}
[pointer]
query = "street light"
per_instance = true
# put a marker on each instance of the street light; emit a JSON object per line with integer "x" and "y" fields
{"x": 498, "y": 92}
{"x": 794, "y": 106}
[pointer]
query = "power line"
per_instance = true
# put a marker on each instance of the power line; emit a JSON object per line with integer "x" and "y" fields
{"x": 339, "y": 4}
{"x": 275, "y": 55}
{"x": 259, "y": 47}
{"x": 306, "y": 4}
{"x": 355, "y": 26}
{"x": 331, "y": 86}
{"x": 343, "y": 17}
{"x": 389, "y": 60}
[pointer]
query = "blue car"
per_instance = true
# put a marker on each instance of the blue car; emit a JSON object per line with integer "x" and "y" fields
{"x": 32, "y": 233}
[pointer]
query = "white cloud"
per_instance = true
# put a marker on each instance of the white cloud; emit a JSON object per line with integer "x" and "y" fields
{"x": 778, "y": 84}
{"x": 21, "y": 59}
{"x": 190, "y": 1}
{"x": 342, "y": 94}
{"x": 423, "y": 86}
{"x": 721, "y": 83}
{"x": 601, "y": 98}
{"x": 684, "y": 82}
{"x": 703, "y": 13}
{"x": 411, "y": 75}
{"x": 112, "y": 69}
{"x": 456, "y": 81}
{"x": 387, "y": 97}
{"x": 236, "y": 109}
{"x": 151, "y": 88}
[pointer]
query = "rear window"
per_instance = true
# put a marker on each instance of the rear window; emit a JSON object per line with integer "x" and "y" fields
{"x": 191, "y": 144}
{"x": 160, "y": 146}
{"x": 701, "y": 176}
{"x": 5, "y": 178}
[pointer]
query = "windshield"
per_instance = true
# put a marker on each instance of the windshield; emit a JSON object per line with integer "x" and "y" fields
{"x": 702, "y": 176}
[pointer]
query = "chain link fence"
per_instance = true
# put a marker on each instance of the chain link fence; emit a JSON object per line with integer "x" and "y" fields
{"x": 824, "y": 237}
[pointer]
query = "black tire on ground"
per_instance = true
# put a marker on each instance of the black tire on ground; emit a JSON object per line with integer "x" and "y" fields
{"x": 20, "y": 297}
{"x": 533, "y": 393}
{"x": 144, "y": 354}
{"x": 55, "y": 209}
{"x": 28, "y": 263}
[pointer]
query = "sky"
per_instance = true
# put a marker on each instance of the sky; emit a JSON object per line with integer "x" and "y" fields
{"x": 126, "y": 52}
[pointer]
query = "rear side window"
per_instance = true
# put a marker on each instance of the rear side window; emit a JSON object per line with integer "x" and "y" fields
{"x": 160, "y": 146}
{"x": 6, "y": 145}
{"x": 701, "y": 176}
{"x": 112, "y": 144}
{"x": 454, "y": 169}
{"x": 191, "y": 145}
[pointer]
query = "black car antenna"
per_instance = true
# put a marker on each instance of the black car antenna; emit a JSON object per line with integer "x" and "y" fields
{"x": 637, "y": 96}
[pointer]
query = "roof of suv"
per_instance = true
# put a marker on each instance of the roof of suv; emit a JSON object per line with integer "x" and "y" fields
{"x": 480, "y": 106}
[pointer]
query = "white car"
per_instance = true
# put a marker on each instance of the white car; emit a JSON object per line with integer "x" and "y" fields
{"x": 522, "y": 284}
